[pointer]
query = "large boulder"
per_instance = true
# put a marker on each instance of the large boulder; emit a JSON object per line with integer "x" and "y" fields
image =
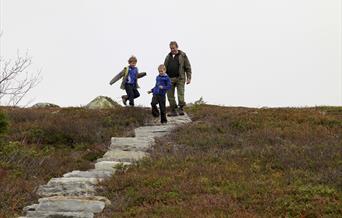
{"x": 102, "y": 102}
{"x": 45, "y": 105}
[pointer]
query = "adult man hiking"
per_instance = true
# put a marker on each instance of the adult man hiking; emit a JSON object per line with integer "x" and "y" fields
{"x": 178, "y": 68}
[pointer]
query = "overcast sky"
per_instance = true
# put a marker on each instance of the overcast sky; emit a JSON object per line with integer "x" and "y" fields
{"x": 243, "y": 52}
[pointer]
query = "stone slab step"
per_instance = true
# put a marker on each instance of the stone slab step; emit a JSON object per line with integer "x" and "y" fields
{"x": 109, "y": 165}
{"x": 68, "y": 186}
{"x": 72, "y": 204}
{"x": 123, "y": 156}
{"x": 132, "y": 144}
{"x": 179, "y": 120}
{"x": 131, "y": 140}
{"x": 153, "y": 131}
{"x": 47, "y": 214}
{"x": 99, "y": 174}
{"x": 30, "y": 207}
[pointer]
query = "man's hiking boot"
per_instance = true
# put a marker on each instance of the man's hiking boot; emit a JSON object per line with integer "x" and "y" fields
{"x": 181, "y": 111}
{"x": 124, "y": 99}
{"x": 173, "y": 113}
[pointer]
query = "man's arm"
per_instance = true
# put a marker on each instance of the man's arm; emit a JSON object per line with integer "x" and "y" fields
{"x": 187, "y": 68}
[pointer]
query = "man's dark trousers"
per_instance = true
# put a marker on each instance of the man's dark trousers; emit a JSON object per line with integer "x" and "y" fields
{"x": 159, "y": 99}
{"x": 132, "y": 93}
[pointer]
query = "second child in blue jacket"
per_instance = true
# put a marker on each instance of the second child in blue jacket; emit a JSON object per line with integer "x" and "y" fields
{"x": 163, "y": 84}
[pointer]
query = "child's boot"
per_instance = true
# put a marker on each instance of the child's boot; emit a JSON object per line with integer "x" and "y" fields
{"x": 155, "y": 111}
{"x": 124, "y": 99}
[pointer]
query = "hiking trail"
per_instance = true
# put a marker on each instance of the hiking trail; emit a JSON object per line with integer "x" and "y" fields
{"x": 74, "y": 194}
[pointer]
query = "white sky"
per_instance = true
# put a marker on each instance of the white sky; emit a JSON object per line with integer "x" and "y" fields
{"x": 243, "y": 52}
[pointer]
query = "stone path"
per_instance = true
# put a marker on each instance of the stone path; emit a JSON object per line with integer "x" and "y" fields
{"x": 73, "y": 195}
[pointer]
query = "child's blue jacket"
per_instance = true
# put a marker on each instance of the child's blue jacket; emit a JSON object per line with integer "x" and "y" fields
{"x": 162, "y": 81}
{"x": 132, "y": 75}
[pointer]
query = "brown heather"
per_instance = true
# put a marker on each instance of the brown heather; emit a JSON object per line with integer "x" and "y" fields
{"x": 238, "y": 162}
{"x": 44, "y": 143}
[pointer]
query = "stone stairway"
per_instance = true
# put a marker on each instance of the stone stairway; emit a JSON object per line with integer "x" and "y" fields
{"x": 74, "y": 195}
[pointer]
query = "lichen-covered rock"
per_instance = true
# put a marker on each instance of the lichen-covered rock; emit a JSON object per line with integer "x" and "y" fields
{"x": 102, "y": 102}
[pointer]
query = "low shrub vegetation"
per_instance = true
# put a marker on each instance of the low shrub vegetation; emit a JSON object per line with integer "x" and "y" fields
{"x": 39, "y": 144}
{"x": 238, "y": 162}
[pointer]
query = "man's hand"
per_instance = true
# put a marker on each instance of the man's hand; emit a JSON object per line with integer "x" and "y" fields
{"x": 188, "y": 81}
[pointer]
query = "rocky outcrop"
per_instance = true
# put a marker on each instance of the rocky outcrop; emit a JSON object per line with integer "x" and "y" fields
{"x": 102, "y": 102}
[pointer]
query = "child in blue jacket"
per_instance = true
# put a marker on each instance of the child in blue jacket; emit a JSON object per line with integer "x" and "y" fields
{"x": 130, "y": 76}
{"x": 163, "y": 84}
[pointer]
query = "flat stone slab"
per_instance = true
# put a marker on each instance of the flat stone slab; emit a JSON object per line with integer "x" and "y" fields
{"x": 132, "y": 144}
{"x": 47, "y": 214}
{"x": 153, "y": 131}
{"x": 179, "y": 119}
{"x": 176, "y": 120}
{"x": 71, "y": 204}
{"x": 68, "y": 186}
{"x": 64, "y": 180}
{"x": 109, "y": 165}
{"x": 99, "y": 174}
{"x": 30, "y": 207}
{"x": 123, "y": 156}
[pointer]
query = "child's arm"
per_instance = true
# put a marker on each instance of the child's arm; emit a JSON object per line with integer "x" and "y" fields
{"x": 117, "y": 77}
{"x": 150, "y": 91}
{"x": 168, "y": 84}
{"x": 142, "y": 74}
